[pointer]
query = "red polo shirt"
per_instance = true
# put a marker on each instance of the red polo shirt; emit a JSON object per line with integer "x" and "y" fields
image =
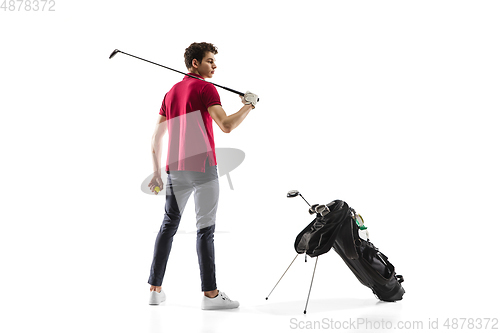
{"x": 190, "y": 132}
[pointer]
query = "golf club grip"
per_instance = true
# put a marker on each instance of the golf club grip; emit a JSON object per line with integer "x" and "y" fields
{"x": 229, "y": 89}
{"x": 232, "y": 90}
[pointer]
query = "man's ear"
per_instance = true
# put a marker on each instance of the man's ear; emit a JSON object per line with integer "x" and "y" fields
{"x": 194, "y": 63}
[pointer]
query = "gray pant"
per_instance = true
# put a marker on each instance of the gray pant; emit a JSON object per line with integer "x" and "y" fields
{"x": 179, "y": 187}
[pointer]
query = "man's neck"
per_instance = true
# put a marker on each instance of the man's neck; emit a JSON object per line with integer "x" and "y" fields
{"x": 195, "y": 71}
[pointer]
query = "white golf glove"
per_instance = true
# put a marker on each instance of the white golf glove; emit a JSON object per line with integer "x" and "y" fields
{"x": 250, "y": 98}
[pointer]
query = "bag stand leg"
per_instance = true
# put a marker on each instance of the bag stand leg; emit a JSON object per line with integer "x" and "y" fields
{"x": 282, "y": 276}
{"x": 307, "y": 302}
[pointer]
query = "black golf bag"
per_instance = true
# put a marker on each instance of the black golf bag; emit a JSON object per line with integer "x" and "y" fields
{"x": 337, "y": 225}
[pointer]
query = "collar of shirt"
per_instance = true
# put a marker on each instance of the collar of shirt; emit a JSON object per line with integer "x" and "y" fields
{"x": 193, "y": 74}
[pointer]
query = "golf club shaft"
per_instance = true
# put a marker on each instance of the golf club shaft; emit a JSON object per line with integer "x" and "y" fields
{"x": 305, "y": 200}
{"x": 154, "y": 63}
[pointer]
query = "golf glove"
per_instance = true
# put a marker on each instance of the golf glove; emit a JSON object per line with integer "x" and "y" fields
{"x": 250, "y": 98}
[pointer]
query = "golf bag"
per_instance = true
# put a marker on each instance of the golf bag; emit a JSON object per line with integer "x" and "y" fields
{"x": 337, "y": 225}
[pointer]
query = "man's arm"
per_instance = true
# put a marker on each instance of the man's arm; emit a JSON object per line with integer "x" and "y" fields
{"x": 225, "y": 122}
{"x": 156, "y": 149}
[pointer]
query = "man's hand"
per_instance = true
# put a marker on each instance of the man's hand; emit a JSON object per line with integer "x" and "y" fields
{"x": 249, "y": 98}
{"x": 156, "y": 182}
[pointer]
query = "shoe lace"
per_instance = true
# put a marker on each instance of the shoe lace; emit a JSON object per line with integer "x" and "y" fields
{"x": 224, "y": 296}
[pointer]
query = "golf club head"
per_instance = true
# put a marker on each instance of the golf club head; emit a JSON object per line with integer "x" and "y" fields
{"x": 322, "y": 210}
{"x": 292, "y": 194}
{"x": 113, "y": 53}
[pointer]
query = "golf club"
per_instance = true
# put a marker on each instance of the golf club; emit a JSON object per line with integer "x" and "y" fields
{"x": 294, "y": 193}
{"x": 154, "y": 63}
{"x": 314, "y": 209}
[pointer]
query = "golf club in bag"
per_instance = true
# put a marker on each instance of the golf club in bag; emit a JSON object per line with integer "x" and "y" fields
{"x": 339, "y": 226}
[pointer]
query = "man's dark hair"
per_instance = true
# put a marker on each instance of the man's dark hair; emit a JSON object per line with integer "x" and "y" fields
{"x": 197, "y": 51}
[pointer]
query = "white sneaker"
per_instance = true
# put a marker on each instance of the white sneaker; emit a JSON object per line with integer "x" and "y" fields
{"x": 219, "y": 302}
{"x": 156, "y": 298}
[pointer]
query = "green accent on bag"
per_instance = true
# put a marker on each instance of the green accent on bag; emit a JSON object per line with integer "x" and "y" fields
{"x": 361, "y": 225}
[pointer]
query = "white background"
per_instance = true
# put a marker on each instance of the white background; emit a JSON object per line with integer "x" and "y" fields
{"x": 389, "y": 105}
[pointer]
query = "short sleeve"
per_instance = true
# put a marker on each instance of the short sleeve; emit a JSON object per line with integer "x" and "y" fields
{"x": 210, "y": 96}
{"x": 163, "y": 109}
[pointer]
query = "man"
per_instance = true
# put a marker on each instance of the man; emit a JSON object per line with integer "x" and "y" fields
{"x": 187, "y": 112}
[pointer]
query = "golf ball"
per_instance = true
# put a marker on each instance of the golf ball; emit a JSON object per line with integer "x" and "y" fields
{"x": 157, "y": 189}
